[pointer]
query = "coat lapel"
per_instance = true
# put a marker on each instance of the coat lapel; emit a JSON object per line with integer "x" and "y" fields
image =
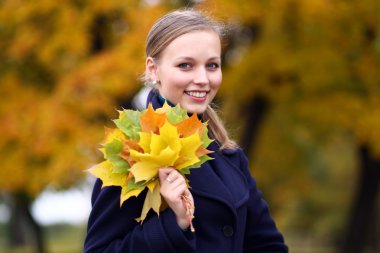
{"x": 220, "y": 179}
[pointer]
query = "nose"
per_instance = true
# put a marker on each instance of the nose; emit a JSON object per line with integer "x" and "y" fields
{"x": 201, "y": 76}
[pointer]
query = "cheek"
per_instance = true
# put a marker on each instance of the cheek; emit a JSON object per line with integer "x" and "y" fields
{"x": 171, "y": 84}
{"x": 216, "y": 81}
{"x": 173, "y": 87}
{"x": 177, "y": 81}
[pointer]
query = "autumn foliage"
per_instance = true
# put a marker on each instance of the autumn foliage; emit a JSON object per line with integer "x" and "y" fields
{"x": 62, "y": 75}
{"x": 145, "y": 141}
{"x": 66, "y": 67}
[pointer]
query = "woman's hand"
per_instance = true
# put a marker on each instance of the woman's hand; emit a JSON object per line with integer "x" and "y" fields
{"x": 173, "y": 188}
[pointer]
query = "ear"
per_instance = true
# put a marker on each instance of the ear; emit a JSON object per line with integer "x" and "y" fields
{"x": 151, "y": 69}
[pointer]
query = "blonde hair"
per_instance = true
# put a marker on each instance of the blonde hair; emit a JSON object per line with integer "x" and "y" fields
{"x": 168, "y": 28}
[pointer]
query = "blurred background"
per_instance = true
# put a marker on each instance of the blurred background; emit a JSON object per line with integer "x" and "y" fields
{"x": 301, "y": 95}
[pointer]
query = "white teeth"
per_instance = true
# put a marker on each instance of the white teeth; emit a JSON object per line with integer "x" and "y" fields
{"x": 198, "y": 94}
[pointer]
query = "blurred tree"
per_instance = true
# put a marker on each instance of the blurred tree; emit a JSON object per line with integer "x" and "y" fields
{"x": 307, "y": 73}
{"x": 300, "y": 89}
{"x": 65, "y": 67}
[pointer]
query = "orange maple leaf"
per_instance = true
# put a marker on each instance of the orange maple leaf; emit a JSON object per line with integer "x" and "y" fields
{"x": 190, "y": 125}
{"x": 202, "y": 151}
{"x": 151, "y": 121}
{"x": 125, "y": 153}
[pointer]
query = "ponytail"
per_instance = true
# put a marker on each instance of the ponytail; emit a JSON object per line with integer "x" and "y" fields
{"x": 217, "y": 130}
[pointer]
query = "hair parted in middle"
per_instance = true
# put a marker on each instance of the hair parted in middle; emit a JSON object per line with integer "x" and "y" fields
{"x": 176, "y": 23}
{"x": 168, "y": 28}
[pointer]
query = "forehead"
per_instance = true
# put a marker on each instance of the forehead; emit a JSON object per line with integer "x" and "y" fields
{"x": 194, "y": 43}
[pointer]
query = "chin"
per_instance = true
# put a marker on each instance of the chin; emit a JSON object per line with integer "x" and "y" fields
{"x": 196, "y": 110}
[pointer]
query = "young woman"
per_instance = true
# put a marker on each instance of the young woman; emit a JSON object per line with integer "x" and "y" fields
{"x": 183, "y": 65}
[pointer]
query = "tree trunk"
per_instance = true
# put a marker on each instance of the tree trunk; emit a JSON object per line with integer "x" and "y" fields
{"x": 257, "y": 110}
{"x": 23, "y": 229}
{"x": 362, "y": 233}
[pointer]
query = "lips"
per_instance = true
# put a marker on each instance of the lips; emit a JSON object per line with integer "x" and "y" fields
{"x": 197, "y": 94}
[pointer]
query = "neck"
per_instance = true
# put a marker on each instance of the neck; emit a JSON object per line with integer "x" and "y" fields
{"x": 162, "y": 100}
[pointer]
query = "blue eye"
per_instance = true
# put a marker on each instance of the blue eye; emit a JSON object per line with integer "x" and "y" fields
{"x": 184, "y": 65}
{"x": 212, "y": 65}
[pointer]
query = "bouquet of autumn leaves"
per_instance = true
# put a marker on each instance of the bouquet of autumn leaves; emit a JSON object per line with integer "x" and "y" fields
{"x": 145, "y": 141}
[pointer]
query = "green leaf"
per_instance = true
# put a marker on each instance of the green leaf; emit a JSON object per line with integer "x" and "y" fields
{"x": 112, "y": 151}
{"x": 202, "y": 159}
{"x": 176, "y": 114}
{"x": 129, "y": 123}
{"x": 132, "y": 185}
{"x": 205, "y": 139}
{"x": 186, "y": 170}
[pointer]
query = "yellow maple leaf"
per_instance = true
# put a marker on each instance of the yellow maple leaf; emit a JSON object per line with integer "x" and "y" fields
{"x": 166, "y": 137}
{"x": 188, "y": 155}
{"x": 111, "y": 134}
{"x": 164, "y": 109}
{"x": 152, "y": 200}
{"x": 165, "y": 149}
{"x": 103, "y": 171}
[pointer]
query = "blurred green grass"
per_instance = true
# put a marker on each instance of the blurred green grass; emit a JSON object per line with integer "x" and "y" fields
{"x": 60, "y": 238}
{"x": 64, "y": 238}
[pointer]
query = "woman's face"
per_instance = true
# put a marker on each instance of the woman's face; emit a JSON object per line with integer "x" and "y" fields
{"x": 189, "y": 70}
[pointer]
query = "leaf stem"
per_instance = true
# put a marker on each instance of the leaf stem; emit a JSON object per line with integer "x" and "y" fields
{"x": 189, "y": 210}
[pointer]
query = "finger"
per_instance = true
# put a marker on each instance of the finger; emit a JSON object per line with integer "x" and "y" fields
{"x": 178, "y": 186}
{"x": 170, "y": 178}
{"x": 174, "y": 175}
{"x": 188, "y": 193}
{"x": 177, "y": 178}
{"x": 163, "y": 173}
{"x": 181, "y": 190}
{"x": 174, "y": 188}
{"x": 167, "y": 179}
{"x": 171, "y": 186}
{"x": 175, "y": 194}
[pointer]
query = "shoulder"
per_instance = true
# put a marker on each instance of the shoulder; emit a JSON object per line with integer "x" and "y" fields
{"x": 234, "y": 154}
{"x": 237, "y": 158}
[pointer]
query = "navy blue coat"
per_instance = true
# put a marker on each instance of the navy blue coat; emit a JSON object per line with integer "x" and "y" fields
{"x": 230, "y": 215}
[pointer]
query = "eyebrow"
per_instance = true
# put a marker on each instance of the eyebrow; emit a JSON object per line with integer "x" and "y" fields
{"x": 186, "y": 58}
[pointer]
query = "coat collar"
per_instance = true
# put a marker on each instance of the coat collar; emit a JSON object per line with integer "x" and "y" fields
{"x": 219, "y": 179}
{"x": 153, "y": 98}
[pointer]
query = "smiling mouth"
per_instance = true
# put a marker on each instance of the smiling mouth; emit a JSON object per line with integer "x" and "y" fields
{"x": 197, "y": 94}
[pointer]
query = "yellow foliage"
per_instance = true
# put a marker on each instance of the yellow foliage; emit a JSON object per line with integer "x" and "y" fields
{"x": 57, "y": 94}
{"x": 144, "y": 142}
{"x": 316, "y": 62}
